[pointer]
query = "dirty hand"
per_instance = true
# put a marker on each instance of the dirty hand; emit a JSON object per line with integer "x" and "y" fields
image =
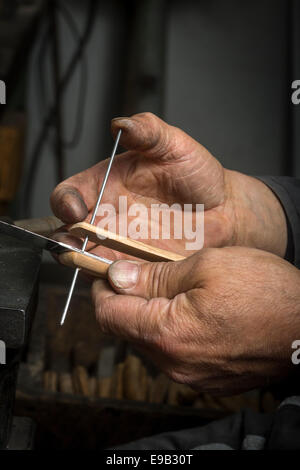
{"x": 162, "y": 164}
{"x": 222, "y": 321}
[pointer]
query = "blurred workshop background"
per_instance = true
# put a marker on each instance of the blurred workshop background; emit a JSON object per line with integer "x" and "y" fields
{"x": 220, "y": 70}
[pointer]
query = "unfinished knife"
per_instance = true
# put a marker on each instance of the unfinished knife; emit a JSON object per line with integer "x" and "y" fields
{"x": 62, "y": 249}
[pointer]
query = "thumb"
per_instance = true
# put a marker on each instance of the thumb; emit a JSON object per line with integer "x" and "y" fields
{"x": 150, "y": 280}
{"x": 150, "y": 135}
{"x": 192, "y": 168}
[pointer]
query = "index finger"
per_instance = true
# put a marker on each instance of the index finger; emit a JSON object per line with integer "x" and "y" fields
{"x": 72, "y": 199}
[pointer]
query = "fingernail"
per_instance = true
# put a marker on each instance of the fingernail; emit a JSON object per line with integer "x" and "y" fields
{"x": 123, "y": 122}
{"x": 124, "y": 274}
{"x": 119, "y": 118}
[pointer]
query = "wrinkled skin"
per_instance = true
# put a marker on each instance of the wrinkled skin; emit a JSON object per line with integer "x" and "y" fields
{"x": 222, "y": 320}
{"x": 165, "y": 165}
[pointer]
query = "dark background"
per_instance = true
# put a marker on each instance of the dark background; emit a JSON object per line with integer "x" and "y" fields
{"x": 220, "y": 70}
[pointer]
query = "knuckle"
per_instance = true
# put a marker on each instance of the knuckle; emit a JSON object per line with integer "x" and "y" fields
{"x": 207, "y": 256}
{"x": 158, "y": 273}
{"x": 157, "y": 278}
{"x": 207, "y": 262}
{"x": 146, "y": 115}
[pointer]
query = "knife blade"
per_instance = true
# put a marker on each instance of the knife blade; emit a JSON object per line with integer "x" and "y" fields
{"x": 39, "y": 241}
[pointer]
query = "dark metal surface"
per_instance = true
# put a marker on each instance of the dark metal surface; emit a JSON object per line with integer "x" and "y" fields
{"x": 19, "y": 271}
{"x": 22, "y": 434}
{"x": 19, "y": 267}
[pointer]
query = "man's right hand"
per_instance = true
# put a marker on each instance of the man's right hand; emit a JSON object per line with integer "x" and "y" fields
{"x": 162, "y": 164}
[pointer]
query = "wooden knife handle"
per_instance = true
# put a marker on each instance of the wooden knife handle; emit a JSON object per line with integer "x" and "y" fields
{"x": 78, "y": 260}
{"x": 122, "y": 244}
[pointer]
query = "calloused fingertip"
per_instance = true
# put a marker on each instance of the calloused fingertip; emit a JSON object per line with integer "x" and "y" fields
{"x": 68, "y": 205}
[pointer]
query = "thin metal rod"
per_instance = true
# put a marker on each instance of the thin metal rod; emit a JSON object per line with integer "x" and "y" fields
{"x": 114, "y": 151}
{"x": 69, "y": 296}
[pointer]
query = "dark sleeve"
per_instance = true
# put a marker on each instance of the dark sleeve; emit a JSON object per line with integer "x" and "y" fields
{"x": 287, "y": 191}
